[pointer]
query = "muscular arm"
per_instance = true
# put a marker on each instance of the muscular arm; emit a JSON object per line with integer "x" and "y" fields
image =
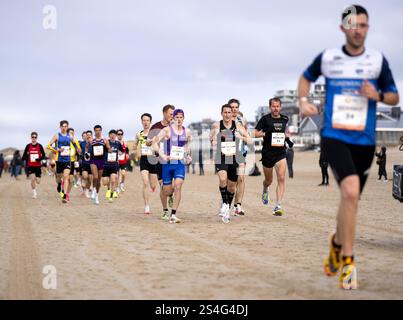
{"x": 108, "y": 146}
{"x": 213, "y": 134}
{"x": 307, "y": 109}
{"x": 189, "y": 138}
{"x": 244, "y": 134}
{"x": 157, "y": 139}
{"x": 51, "y": 142}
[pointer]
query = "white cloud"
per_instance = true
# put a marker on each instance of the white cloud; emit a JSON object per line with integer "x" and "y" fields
{"x": 110, "y": 61}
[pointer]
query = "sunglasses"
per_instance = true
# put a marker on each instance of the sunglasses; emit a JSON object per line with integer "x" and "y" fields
{"x": 120, "y": 134}
{"x": 34, "y": 137}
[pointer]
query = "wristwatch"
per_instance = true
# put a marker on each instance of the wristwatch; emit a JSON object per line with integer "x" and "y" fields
{"x": 303, "y": 99}
{"x": 381, "y": 97}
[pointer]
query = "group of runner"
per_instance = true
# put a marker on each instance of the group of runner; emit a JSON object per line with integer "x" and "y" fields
{"x": 356, "y": 79}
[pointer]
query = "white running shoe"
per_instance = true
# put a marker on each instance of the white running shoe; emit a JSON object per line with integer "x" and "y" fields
{"x": 96, "y": 200}
{"x": 174, "y": 219}
{"x": 122, "y": 187}
{"x": 93, "y": 194}
{"x": 34, "y": 194}
{"x": 226, "y": 217}
{"x": 238, "y": 211}
{"x": 147, "y": 210}
{"x": 223, "y": 210}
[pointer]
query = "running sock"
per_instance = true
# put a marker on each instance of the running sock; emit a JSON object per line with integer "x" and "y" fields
{"x": 239, "y": 204}
{"x": 230, "y": 197}
{"x": 335, "y": 245}
{"x": 224, "y": 193}
{"x": 173, "y": 212}
{"x": 348, "y": 260}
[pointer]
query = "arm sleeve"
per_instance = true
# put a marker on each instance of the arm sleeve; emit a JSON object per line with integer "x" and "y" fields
{"x": 25, "y": 155}
{"x": 42, "y": 153}
{"x": 314, "y": 71}
{"x": 260, "y": 125}
{"x": 386, "y": 82}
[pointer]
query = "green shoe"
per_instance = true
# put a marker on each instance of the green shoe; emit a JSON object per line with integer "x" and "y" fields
{"x": 165, "y": 215}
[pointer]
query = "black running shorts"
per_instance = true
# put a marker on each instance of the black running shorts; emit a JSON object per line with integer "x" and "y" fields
{"x": 108, "y": 171}
{"x": 147, "y": 166}
{"x": 37, "y": 171}
{"x": 232, "y": 171}
{"x": 61, "y": 166}
{"x": 269, "y": 159}
{"x": 348, "y": 159}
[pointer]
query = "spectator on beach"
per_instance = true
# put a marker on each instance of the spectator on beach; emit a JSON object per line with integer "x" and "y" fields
{"x": 324, "y": 164}
{"x": 1, "y": 164}
{"x": 381, "y": 162}
{"x": 16, "y": 165}
{"x": 290, "y": 161}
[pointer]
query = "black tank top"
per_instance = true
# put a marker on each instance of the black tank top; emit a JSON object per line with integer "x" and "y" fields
{"x": 228, "y": 146}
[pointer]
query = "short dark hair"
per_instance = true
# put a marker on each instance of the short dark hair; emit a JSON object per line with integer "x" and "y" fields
{"x": 119, "y": 130}
{"x": 89, "y": 131}
{"x": 84, "y": 132}
{"x": 34, "y": 133}
{"x": 275, "y": 99}
{"x": 146, "y": 115}
{"x": 354, "y": 8}
{"x": 63, "y": 122}
{"x": 97, "y": 127}
{"x": 225, "y": 106}
{"x": 70, "y": 129}
{"x": 234, "y": 101}
{"x": 113, "y": 131}
{"x": 168, "y": 107}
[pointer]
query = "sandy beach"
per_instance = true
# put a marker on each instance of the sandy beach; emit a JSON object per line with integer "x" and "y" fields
{"x": 114, "y": 251}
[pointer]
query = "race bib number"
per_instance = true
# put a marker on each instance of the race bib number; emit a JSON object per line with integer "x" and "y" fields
{"x": 33, "y": 157}
{"x": 350, "y": 112}
{"x": 98, "y": 151}
{"x": 146, "y": 151}
{"x": 65, "y": 152}
{"x": 177, "y": 153}
{"x": 76, "y": 165}
{"x": 112, "y": 156}
{"x": 228, "y": 148}
{"x": 277, "y": 139}
{"x": 121, "y": 157}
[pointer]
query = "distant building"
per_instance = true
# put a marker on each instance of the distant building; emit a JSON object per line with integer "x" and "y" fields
{"x": 289, "y": 100}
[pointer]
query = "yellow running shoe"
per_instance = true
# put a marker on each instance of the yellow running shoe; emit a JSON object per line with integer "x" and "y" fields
{"x": 348, "y": 277}
{"x": 108, "y": 194}
{"x": 61, "y": 194}
{"x": 333, "y": 261}
{"x": 115, "y": 195}
{"x": 278, "y": 212}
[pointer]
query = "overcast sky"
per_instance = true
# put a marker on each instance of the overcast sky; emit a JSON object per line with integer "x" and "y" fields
{"x": 109, "y": 61}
